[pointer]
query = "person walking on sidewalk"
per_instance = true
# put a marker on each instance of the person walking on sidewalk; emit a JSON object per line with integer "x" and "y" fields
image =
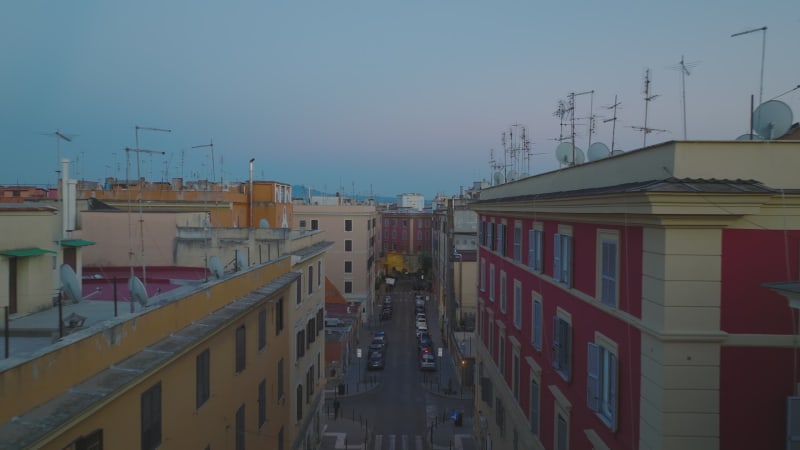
{"x": 336, "y": 405}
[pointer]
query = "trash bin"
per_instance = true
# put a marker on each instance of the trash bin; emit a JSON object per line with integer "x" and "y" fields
{"x": 341, "y": 388}
{"x": 459, "y": 420}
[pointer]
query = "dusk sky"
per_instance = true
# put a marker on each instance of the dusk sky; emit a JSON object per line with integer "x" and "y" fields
{"x": 369, "y": 96}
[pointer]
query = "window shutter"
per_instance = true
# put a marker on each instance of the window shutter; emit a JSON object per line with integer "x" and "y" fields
{"x": 535, "y": 408}
{"x": 566, "y": 349}
{"x": 612, "y": 384}
{"x": 556, "y": 344}
{"x": 557, "y": 257}
{"x": 793, "y": 423}
{"x": 593, "y": 377}
{"x": 609, "y": 273}
{"x": 537, "y": 325}
{"x": 566, "y": 260}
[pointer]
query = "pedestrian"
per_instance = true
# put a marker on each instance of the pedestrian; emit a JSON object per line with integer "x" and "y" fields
{"x": 336, "y": 408}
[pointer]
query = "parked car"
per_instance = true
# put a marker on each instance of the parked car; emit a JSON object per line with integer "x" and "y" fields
{"x": 386, "y": 314}
{"x": 426, "y": 359}
{"x": 380, "y": 336}
{"x": 379, "y": 341}
{"x": 424, "y": 340}
{"x": 376, "y": 361}
{"x": 422, "y": 328}
{"x": 375, "y": 346}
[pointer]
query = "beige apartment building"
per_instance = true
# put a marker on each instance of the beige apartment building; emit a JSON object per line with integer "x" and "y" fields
{"x": 350, "y": 264}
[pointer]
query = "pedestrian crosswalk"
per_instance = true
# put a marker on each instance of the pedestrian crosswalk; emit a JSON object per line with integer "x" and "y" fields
{"x": 339, "y": 441}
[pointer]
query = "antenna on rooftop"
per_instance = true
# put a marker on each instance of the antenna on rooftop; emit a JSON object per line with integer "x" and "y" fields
{"x": 684, "y": 67}
{"x": 213, "y": 166}
{"x": 648, "y": 97}
{"x": 613, "y": 119}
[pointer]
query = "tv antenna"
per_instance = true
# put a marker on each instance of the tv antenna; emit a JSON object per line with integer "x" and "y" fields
{"x": 763, "y": 48}
{"x": 213, "y": 167}
{"x": 613, "y": 119}
{"x": 59, "y": 137}
{"x": 684, "y": 68}
{"x": 648, "y": 97}
{"x": 575, "y": 157}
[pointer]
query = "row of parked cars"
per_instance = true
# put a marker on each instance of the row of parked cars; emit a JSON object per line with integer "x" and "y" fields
{"x": 427, "y": 358}
{"x": 376, "y": 359}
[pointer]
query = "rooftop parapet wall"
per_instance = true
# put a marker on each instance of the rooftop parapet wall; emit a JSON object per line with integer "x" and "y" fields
{"x": 773, "y": 163}
{"x": 25, "y": 383}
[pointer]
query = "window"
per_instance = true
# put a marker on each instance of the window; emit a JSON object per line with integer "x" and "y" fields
{"x": 536, "y": 333}
{"x": 311, "y": 333}
{"x": 483, "y": 275}
{"x": 262, "y": 403}
{"x": 608, "y": 254}
{"x": 501, "y": 239}
{"x": 299, "y": 402}
{"x": 300, "y": 344}
{"x": 319, "y": 273}
{"x": 534, "y": 406}
{"x": 320, "y": 320}
{"x": 500, "y": 415}
{"x": 310, "y": 280}
{"x": 202, "y": 378}
{"x": 314, "y": 224}
{"x": 562, "y": 259}
{"x": 491, "y": 334}
{"x": 515, "y": 375}
{"x": 280, "y": 439}
{"x": 501, "y": 351}
{"x": 535, "y": 250}
{"x": 280, "y": 380}
{"x": 503, "y": 289}
{"x": 348, "y": 267}
{"x": 348, "y": 245}
{"x": 151, "y": 418}
{"x": 490, "y": 235}
{"x": 302, "y": 224}
{"x": 348, "y": 287}
{"x": 299, "y": 290}
{"x": 562, "y": 346}
{"x": 240, "y": 349}
{"x": 279, "y": 316}
{"x": 92, "y": 441}
{"x": 562, "y": 432}
{"x": 601, "y": 383}
{"x": 517, "y": 241}
{"x": 262, "y": 329}
{"x": 491, "y": 282}
{"x": 517, "y": 304}
{"x": 348, "y": 225}
{"x": 240, "y": 428}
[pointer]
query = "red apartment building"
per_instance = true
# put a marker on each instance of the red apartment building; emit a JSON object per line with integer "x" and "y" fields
{"x": 406, "y": 234}
{"x": 628, "y": 303}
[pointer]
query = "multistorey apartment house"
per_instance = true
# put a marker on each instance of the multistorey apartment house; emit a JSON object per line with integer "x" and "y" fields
{"x": 406, "y": 235}
{"x": 351, "y": 262}
{"x": 635, "y": 302}
{"x": 233, "y": 360}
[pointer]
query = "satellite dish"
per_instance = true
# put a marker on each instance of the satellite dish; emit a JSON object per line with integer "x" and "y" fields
{"x": 241, "y": 262}
{"x": 138, "y": 292}
{"x": 263, "y": 223}
{"x": 69, "y": 283}
{"x": 772, "y": 119}
{"x": 749, "y": 137}
{"x": 565, "y": 154}
{"x": 215, "y": 265}
{"x": 598, "y": 150}
{"x": 616, "y": 152}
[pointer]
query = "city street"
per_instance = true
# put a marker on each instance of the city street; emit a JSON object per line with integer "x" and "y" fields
{"x": 406, "y": 408}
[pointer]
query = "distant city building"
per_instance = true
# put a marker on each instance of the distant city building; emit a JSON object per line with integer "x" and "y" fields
{"x": 411, "y": 201}
{"x": 405, "y": 238}
{"x": 351, "y": 264}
